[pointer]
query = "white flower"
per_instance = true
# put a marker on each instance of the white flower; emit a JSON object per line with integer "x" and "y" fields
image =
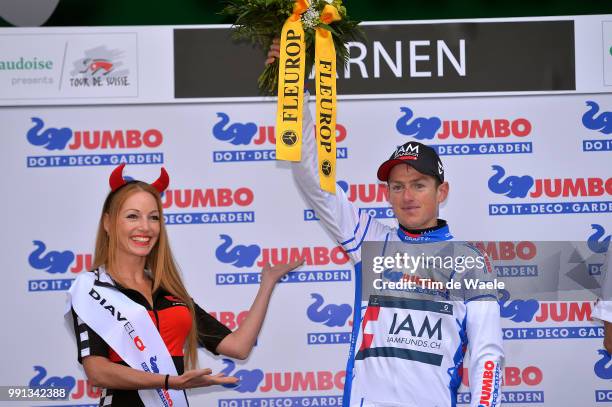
{"x": 329, "y": 1}
{"x": 310, "y": 18}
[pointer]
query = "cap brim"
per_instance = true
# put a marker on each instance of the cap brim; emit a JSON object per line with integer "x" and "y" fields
{"x": 385, "y": 168}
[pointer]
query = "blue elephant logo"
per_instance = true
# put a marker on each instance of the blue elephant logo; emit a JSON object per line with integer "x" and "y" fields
{"x": 603, "y": 367}
{"x": 239, "y": 256}
{"x": 52, "y": 262}
{"x": 517, "y": 310}
{"x": 249, "y": 379}
{"x": 237, "y": 133}
{"x": 421, "y": 127}
{"x": 51, "y": 139}
{"x": 601, "y": 123}
{"x": 512, "y": 186}
{"x": 330, "y": 315}
{"x": 595, "y": 243}
{"x": 66, "y": 382}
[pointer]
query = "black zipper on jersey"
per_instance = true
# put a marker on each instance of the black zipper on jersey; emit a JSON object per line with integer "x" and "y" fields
{"x": 154, "y": 297}
{"x": 156, "y": 319}
{"x": 146, "y": 302}
{"x": 148, "y": 306}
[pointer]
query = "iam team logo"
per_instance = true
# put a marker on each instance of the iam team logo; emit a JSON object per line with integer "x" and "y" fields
{"x": 223, "y": 201}
{"x": 363, "y": 195}
{"x": 100, "y": 67}
{"x": 252, "y": 142}
{"x": 468, "y": 135}
{"x": 75, "y": 389}
{"x": 534, "y": 189}
{"x": 58, "y": 263}
{"x": 331, "y": 316}
{"x": 252, "y": 256}
{"x": 93, "y": 141}
{"x": 595, "y": 119}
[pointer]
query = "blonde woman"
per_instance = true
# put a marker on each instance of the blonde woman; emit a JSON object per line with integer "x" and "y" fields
{"x": 136, "y": 325}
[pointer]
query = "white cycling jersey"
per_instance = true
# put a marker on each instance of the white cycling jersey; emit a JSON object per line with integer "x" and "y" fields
{"x": 406, "y": 352}
{"x": 603, "y": 308}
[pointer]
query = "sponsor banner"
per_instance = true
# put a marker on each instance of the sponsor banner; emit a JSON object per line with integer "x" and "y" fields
{"x": 249, "y": 141}
{"x": 81, "y": 65}
{"x": 597, "y": 122}
{"x": 537, "y": 189}
{"x": 43, "y": 135}
{"x": 398, "y": 59}
{"x": 77, "y": 391}
{"x": 553, "y": 333}
{"x": 509, "y": 397}
{"x": 64, "y": 265}
{"x": 329, "y": 315}
{"x": 401, "y": 59}
{"x": 180, "y": 198}
{"x": 253, "y": 256}
{"x": 304, "y": 401}
{"x": 226, "y": 218}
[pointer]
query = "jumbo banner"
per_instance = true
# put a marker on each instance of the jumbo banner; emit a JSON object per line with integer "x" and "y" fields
{"x": 527, "y": 160}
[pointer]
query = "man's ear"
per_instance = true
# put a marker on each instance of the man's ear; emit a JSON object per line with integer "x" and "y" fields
{"x": 443, "y": 192}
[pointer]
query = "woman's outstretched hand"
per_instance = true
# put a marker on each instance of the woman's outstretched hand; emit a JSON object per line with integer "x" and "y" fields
{"x": 273, "y": 274}
{"x": 199, "y": 378}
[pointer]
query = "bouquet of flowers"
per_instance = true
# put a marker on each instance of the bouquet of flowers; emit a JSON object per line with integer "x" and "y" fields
{"x": 260, "y": 21}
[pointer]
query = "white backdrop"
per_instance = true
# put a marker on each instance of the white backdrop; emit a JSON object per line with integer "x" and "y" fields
{"x": 51, "y": 214}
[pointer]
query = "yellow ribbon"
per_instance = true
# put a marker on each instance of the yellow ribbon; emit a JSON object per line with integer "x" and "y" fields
{"x": 291, "y": 91}
{"x": 325, "y": 68}
{"x": 291, "y": 78}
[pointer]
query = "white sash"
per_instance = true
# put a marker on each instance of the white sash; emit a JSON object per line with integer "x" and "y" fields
{"x": 127, "y": 328}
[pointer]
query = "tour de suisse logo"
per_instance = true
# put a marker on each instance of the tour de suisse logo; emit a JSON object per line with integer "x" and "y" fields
{"x": 75, "y": 389}
{"x": 63, "y": 265}
{"x": 597, "y": 121}
{"x": 331, "y": 316}
{"x": 248, "y": 142}
{"x": 100, "y": 67}
{"x": 90, "y": 146}
{"x": 371, "y": 198}
{"x": 329, "y": 263}
{"x": 535, "y": 189}
{"x": 468, "y": 136}
{"x": 181, "y": 205}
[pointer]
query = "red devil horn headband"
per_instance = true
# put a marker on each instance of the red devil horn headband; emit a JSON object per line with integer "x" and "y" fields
{"x": 116, "y": 180}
